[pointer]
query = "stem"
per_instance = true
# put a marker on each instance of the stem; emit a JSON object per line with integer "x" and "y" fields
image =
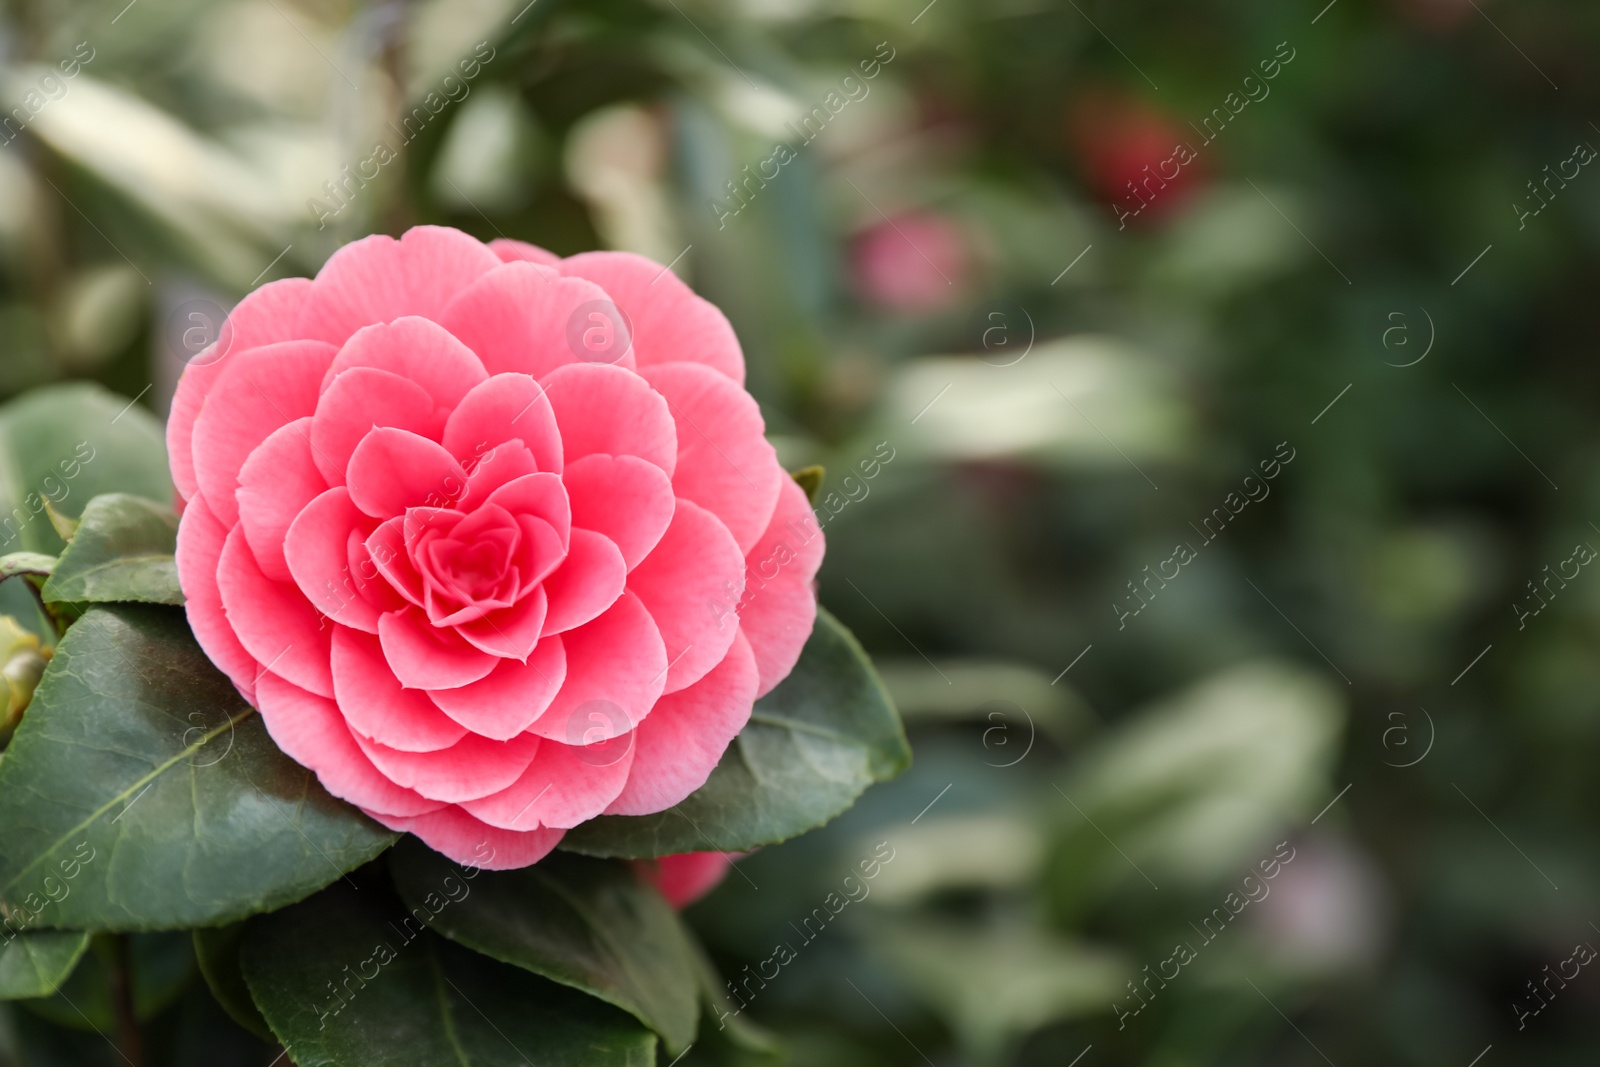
{"x": 129, "y": 1040}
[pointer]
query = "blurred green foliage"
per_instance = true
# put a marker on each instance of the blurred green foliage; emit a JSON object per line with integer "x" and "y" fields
{"x": 938, "y": 265}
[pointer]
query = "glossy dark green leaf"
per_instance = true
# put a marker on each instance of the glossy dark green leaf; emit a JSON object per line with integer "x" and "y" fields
{"x": 216, "y": 948}
{"x": 812, "y": 746}
{"x": 141, "y": 792}
{"x": 123, "y": 550}
{"x": 586, "y": 923}
{"x": 346, "y": 981}
{"x": 68, "y": 444}
{"x": 35, "y": 963}
{"x": 159, "y": 966}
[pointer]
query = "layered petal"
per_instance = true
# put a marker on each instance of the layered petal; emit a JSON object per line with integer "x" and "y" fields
{"x": 612, "y": 411}
{"x": 311, "y": 732}
{"x": 265, "y": 316}
{"x": 424, "y": 656}
{"x": 275, "y": 484}
{"x": 274, "y": 621}
{"x": 471, "y": 768}
{"x": 623, "y": 497}
{"x": 358, "y": 401}
{"x": 725, "y": 463}
{"x": 506, "y": 701}
{"x": 379, "y": 279}
{"x": 472, "y": 842}
{"x": 317, "y": 547}
{"x": 505, "y": 408}
{"x": 563, "y": 786}
{"x": 670, "y": 322}
{"x": 376, "y": 707}
{"x": 522, "y": 318}
{"x": 679, "y": 745}
{"x": 417, "y": 350}
{"x": 691, "y": 586}
{"x": 392, "y": 470}
{"x": 258, "y": 391}
{"x": 200, "y": 542}
{"x": 616, "y": 666}
{"x": 780, "y": 602}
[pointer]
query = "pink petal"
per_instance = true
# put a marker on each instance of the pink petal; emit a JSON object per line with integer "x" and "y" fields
{"x": 317, "y": 548}
{"x": 511, "y": 251}
{"x": 259, "y": 390}
{"x": 379, "y": 279}
{"x": 503, "y": 704}
{"x": 386, "y": 546}
{"x": 417, "y": 350}
{"x": 424, "y": 657}
{"x": 564, "y": 786}
{"x": 392, "y": 470}
{"x": 354, "y": 403}
{"x": 541, "y": 496}
{"x": 363, "y": 570}
{"x": 457, "y": 835}
{"x": 623, "y": 497}
{"x": 200, "y": 542}
{"x": 616, "y": 666}
{"x": 687, "y": 876}
{"x": 588, "y": 582}
{"x": 526, "y": 319}
{"x": 272, "y": 620}
{"x": 311, "y": 732}
{"x": 724, "y": 463}
{"x": 670, "y": 323}
{"x": 275, "y": 484}
{"x": 507, "y": 407}
{"x": 501, "y": 464}
{"x": 471, "y": 768}
{"x": 691, "y": 585}
{"x": 685, "y": 736}
{"x": 510, "y": 633}
{"x": 375, "y": 706}
{"x": 265, "y": 316}
{"x": 611, "y": 410}
{"x": 780, "y": 604}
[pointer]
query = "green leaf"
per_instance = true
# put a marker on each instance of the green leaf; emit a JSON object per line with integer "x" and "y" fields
{"x": 346, "y": 979}
{"x": 35, "y": 964}
{"x": 123, "y": 550}
{"x": 35, "y": 563}
{"x": 68, "y": 444}
{"x": 586, "y": 923}
{"x": 810, "y": 480}
{"x": 217, "y": 950}
{"x": 159, "y": 967}
{"x": 812, "y": 746}
{"x": 148, "y": 794}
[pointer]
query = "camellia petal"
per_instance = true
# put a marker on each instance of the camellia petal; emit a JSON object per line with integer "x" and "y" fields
{"x": 376, "y": 707}
{"x": 623, "y": 497}
{"x": 691, "y": 586}
{"x": 507, "y": 701}
{"x": 273, "y": 620}
{"x": 278, "y": 480}
{"x": 616, "y": 667}
{"x": 613, "y": 411}
{"x": 779, "y": 606}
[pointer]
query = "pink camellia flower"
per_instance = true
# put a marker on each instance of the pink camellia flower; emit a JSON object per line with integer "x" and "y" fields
{"x": 919, "y": 262}
{"x": 470, "y": 524}
{"x": 688, "y": 876}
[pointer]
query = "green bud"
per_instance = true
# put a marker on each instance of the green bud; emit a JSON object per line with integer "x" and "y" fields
{"x": 22, "y": 664}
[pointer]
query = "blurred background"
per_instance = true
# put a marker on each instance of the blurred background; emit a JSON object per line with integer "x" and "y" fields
{"x": 1208, "y": 412}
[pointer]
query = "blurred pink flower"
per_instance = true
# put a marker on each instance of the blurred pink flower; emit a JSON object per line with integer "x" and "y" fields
{"x": 916, "y": 262}
{"x": 688, "y": 876}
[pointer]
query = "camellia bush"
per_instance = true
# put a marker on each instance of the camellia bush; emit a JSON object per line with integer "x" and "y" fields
{"x": 456, "y": 629}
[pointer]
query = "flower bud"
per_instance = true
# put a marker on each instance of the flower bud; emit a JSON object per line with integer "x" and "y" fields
{"x": 22, "y": 663}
